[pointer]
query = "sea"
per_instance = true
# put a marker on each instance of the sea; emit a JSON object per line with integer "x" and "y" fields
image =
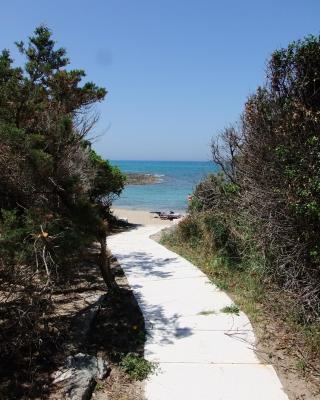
{"x": 176, "y": 181}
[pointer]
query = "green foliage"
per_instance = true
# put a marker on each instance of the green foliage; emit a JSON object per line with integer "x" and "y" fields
{"x": 194, "y": 205}
{"x": 207, "y": 312}
{"x": 232, "y": 309}
{"x": 263, "y": 207}
{"x": 215, "y": 224}
{"x": 13, "y": 234}
{"x": 108, "y": 179}
{"x": 47, "y": 164}
{"x": 189, "y": 230}
{"x": 137, "y": 367}
{"x": 280, "y": 161}
{"x": 55, "y": 192}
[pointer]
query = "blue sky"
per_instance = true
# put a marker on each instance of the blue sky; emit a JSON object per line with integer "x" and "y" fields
{"x": 177, "y": 71}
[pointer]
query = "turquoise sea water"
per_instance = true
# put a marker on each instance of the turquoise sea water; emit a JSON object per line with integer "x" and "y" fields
{"x": 178, "y": 178}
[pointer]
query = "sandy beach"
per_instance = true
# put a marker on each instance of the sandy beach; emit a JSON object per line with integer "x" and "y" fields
{"x": 141, "y": 217}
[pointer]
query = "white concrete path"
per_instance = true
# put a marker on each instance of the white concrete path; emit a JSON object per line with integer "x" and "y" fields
{"x": 203, "y": 354}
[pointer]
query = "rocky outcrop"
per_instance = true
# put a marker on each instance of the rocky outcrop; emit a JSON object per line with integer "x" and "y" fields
{"x": 76, "y": 380}
{"x": 133, "y": 178}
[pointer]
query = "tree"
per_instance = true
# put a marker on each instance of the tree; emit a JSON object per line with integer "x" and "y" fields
{"x": 108, "y": 182}
{"x": 55, "y": 191}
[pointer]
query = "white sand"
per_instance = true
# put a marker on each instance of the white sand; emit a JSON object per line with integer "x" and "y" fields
{"x": 140, "y": 217}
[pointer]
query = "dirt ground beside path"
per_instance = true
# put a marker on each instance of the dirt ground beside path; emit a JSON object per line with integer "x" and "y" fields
{"x": 109, "y": 334}
{"x": 118, "y": 330}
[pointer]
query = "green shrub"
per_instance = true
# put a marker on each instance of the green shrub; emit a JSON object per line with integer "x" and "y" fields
{"x": 232, "y": 309}
{"x": 189, "y": 229}
{"x": 137, "y": 367}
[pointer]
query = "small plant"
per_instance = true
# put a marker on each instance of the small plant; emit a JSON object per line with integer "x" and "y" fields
{"x": 301, "y": 365}
{"x": 99, "y": 386}
{"x": 232, "y": 309}
{"x": 222, "y": 285}
{"x": 206, "y": 312}
{"x": 137, "y": 367}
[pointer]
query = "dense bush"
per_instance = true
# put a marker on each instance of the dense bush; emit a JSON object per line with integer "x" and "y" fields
{"x": 266, "y": 198}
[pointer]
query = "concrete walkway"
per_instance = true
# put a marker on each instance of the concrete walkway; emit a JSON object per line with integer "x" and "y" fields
{"x": 203, "y": 354}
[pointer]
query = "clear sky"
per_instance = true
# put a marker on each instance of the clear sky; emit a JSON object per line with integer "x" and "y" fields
{"x": 177, "y": 71}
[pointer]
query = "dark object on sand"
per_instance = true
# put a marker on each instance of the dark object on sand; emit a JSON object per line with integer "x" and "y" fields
{"x": 164, "y": 215}
{"x": 156, "y": 212}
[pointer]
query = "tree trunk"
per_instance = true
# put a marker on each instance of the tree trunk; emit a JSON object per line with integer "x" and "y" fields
{"x": 104, "y": 264}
